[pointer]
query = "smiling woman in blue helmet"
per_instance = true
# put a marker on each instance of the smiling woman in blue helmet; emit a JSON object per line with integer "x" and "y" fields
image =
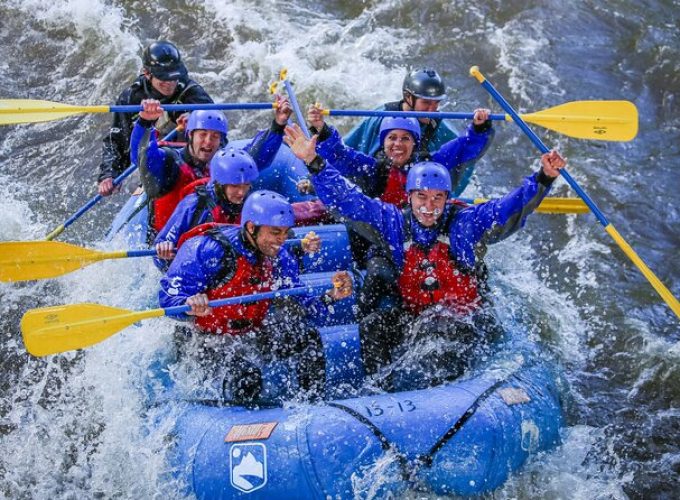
{"x": 383, "y": 175}
{"x": 423, "y": 89}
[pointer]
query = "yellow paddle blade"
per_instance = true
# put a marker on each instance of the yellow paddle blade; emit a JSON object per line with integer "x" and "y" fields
{"x": 601, "y": 120}
{"x": 32, "y": 260}
{"x": 51, "y": 330}
{"x": 557, "y": 205}
{"x": 14, "y": 111}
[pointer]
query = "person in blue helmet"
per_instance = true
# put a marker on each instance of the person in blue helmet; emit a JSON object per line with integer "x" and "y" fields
{"x": 164, "y": 77}
{"x": 434, "y": 248}
{"x": 383, "y": 175}
{"x": 166, "y": 173}
{"x": 423, "y": 89}
{"x": 220, "y": 201}
{"x": 251, "y": 258}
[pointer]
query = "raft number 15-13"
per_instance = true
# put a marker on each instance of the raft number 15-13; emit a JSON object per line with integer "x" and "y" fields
{"x": 405, "y": 406}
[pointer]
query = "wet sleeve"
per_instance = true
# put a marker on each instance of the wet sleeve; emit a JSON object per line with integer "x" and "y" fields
{"x": 264, "y": 146}
{"x": 495, "y": 220}
{"x": 178, "y": 224}
{"x": 156, "y": 166}
{"x": 338, "y": 193}
{"x": 116, "y": 143}
{"x": 192, "y": 271}
{"x": 289, "y": 276}
{"x": 348, "y": 161}
{"x": 457, "y": 154}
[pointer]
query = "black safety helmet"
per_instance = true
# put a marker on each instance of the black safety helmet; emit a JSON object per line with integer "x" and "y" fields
{"x": 424, "y": 83}
{"x": 163, "y": 60}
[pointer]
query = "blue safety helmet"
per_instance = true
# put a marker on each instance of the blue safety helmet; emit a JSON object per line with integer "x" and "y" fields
{"x": 428, "y": 175}
{"x": 411, "y": 125}
{"x": 233, "y": 166}
{"x": 207, "y": 120}
{"x": 267, "y": 208}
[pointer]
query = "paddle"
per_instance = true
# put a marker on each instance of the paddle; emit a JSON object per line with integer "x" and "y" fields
{"x": 660, "y": 288}
{"x": 51, "y": 330}
{"x": 15, "y": 111}
{"x": 601, "y": 120}
{"x": 34, "y": 260}
{"x": 95, "y": 199}
{"x": 293, "y": 101}
{"x": 548, "y": 205}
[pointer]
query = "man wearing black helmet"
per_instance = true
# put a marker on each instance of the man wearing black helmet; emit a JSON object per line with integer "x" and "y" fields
{"x": 423, "y": 90}
{"x": 164, "y": 77}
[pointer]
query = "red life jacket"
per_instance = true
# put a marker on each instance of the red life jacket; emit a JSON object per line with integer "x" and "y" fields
{"x": 163, "y": 206}
{"x": 199, "y": 230}
{"x": 241, "y": 278}
{"x": 430, "y": 276}
{"x": 395, "y": 188}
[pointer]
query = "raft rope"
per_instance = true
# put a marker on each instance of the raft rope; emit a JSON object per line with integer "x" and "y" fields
{"x": 409, "y": 468}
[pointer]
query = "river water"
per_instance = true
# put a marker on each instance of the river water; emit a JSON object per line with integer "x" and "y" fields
{"x": 71, "y": 425}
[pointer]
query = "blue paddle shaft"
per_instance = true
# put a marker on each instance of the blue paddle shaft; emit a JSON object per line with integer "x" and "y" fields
{"x": 412, "y": 114}
{"x": 246, "y": 299}
{"x": 544, "y": 149}
{"x": 296, "y": 108}
{"x": 136, "y": 108}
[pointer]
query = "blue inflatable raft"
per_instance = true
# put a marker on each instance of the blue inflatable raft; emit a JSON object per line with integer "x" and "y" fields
{"x": 461, "y": 438}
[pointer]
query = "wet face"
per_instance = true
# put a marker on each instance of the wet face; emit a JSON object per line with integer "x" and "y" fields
{"x": 398, "y": 146}
{"x": 269, "y": 239}
{"x": 428, "y": 205}
{"x": 204, "y": 144}
{"x": 236, "y": 193}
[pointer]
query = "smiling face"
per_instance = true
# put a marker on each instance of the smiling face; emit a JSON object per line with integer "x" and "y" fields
{"x": 269, "y": 239}
{"x": 398, "y": 146}
{"x": 236, "y": 193}
{"x": 204, "y": 144}
{"x": 427, "y": 205}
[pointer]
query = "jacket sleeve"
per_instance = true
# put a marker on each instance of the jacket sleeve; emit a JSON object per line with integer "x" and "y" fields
{"x": 457, "y": 154}
{"x": 157, "y": 168}
{"x": 478, "y": 225}
{"x": 116, "y": 144}
{"x": 289, "y": 276}
{"x": 264, "y": 146}
{"x": 338, "y": 193}
{"x": 178, "y": 224}
{"x": 348, "y": 161}
{"x": 192, "y": 271}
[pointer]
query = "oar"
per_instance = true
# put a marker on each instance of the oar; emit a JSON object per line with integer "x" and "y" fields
{"x": 660, "y": 288}
{"x": 51, "y": 330}
{"x": 294, "y": 103}
{"x": 548, "y": 205}
{"x": 14, "y": 111}
{"x": 601, "y": 120}
{"x": 95, "y": 199}
{"x": 35, "y": 260}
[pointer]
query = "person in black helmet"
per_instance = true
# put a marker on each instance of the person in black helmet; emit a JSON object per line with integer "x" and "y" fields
{"x": 423, "y": 90}
{"x": 164, "y": 77}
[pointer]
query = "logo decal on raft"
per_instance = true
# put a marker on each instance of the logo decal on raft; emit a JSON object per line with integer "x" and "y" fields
{"x": 530, "y": 436}
{"x": 248, "y": 466}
